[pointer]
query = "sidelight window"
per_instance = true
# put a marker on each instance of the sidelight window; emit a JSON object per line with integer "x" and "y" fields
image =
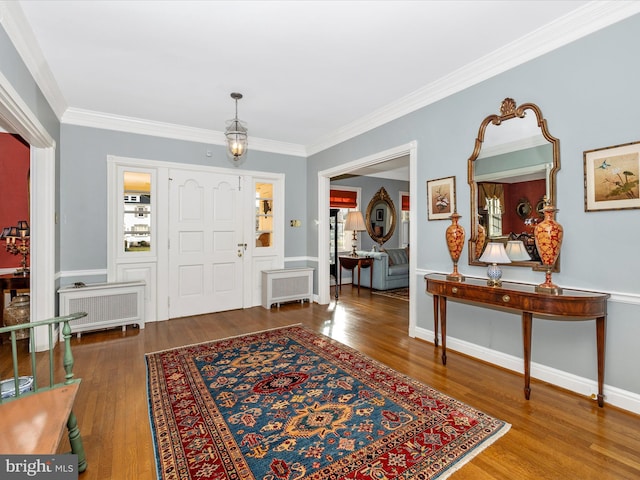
{"x": 137, "y": 212}
{"x": 264, "y": 215}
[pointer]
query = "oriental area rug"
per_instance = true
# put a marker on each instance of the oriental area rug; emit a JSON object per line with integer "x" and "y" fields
{"x": 290, "y": 404}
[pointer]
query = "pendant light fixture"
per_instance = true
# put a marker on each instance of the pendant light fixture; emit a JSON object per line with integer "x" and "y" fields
{"x": 236, "y": 134}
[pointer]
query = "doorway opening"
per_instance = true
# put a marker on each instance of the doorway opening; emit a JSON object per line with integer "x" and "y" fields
{"x": 324, "y": 179}
{"x": 17, "y": 118}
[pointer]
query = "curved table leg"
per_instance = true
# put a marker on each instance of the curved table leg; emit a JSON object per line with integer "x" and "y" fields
{"x": 443, "y": 327}
{"x": 600, "y": 337}
{"x": 435, "y": 320}
{"x": 526, "y": 337}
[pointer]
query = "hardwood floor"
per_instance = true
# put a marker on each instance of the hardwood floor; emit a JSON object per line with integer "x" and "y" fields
{"x": 555, "y": 435}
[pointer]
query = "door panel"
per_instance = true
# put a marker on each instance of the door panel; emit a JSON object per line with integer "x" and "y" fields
{"x": 206, "y": 261}
{"x": 134, "y": 272}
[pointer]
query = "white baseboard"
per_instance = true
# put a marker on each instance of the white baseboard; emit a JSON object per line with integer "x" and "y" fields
{"x": 583, "y": 386}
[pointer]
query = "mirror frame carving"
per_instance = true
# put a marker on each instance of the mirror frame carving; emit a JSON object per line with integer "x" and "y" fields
{"x": 381, "y": 196}
{"x": 508, "y": 111}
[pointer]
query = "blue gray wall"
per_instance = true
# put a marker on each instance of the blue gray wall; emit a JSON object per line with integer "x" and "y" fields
{"x": 588, "y": 92}
{"x": 83, "y": 183}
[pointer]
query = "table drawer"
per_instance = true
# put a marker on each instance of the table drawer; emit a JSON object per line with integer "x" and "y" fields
{"x": 496, "y": 296}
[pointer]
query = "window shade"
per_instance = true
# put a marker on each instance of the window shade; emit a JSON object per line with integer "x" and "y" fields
{"x": 343, "y": 199}
{"x": 405, "y": 202}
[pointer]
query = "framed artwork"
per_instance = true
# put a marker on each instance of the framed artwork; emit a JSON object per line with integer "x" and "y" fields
{"x": 441, "y": 198}
{"x": 379, "y": 215}
{"x": 611, "y": 176}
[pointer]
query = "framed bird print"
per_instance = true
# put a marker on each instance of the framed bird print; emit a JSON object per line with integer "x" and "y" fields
{"x": 611, "y": 178}
{"x": 441, "y": 198}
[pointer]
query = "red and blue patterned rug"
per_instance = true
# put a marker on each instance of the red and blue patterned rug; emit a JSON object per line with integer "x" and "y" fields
{"x": 290, "y": 404}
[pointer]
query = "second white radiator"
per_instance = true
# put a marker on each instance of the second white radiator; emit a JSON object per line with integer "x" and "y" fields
{"x": 286, "y": 285}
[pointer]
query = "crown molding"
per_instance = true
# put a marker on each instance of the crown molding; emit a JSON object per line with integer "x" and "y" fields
{"x": 590, "y": 18}
{"x": 17, "y": 117}
{"x": 106, "y": 121}
{"x": 24, "y": 41}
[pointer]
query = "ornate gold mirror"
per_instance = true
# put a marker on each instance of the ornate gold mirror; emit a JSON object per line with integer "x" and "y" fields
{"x": 513, "y": 166}
{"x": 381, "y": 217}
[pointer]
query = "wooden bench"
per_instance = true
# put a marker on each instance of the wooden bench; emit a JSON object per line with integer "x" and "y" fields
{"x": 33, "y": 421}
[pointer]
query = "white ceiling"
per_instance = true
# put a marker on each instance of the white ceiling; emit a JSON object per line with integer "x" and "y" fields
{"x": 311, "y": 72}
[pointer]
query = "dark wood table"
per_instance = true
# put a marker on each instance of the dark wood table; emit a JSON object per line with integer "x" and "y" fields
{"x": 349, "y": 263}
{"x": 569, "y": 305}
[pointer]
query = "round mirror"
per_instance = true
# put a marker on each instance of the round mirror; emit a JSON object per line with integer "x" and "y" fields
{"x": 381, "y": 217}
{"x": 523, "y": 208}
{"x": 515, "y": 159}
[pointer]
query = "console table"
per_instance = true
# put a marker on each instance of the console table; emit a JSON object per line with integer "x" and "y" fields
{"x": 352, "y": 262}
{"x": 570, "y": 305}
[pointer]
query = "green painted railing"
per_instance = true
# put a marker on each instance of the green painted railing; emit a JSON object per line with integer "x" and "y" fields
{"x": 51, "y": 324}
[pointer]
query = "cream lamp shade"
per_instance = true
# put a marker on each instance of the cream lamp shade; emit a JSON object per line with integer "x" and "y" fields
{"x": 355, "y": 222}
{"x": 516, "y": 251}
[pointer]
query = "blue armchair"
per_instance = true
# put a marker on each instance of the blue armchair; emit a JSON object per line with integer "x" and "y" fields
{"x": 390, "y": 269}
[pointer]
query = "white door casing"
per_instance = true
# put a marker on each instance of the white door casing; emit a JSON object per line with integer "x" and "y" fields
{"x": 262, "y": 258}
{"x": 17, "y": 117}
{"x": 206, "y": 243}
{"x": 324, "y": 178}
{"x": 135, "y": 266}
{"x": 153, "y": 267}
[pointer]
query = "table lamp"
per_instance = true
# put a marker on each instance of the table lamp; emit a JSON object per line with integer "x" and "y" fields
{"x": 516, "y": 251}
{"x": 494, "y": 253}
{"x": 354, "y": 223}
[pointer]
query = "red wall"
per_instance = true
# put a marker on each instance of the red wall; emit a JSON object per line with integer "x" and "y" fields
{"x": 533, "y": 191}
{"x": 14, "y": 196}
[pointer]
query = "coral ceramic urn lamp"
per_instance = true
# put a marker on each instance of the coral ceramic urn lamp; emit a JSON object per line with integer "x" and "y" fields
{"x": 455, "y": 242}
{"x": 548, "y": 237}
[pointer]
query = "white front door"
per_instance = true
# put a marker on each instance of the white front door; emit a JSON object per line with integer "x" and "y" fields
{"x": 206, "y": 246}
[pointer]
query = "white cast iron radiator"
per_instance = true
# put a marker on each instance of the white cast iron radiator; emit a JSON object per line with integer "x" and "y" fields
{"x": 286, "y": 285}
{"x": 107, "y": 305}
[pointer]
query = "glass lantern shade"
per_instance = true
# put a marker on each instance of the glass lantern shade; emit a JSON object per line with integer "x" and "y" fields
{"x": 237, "y": 143}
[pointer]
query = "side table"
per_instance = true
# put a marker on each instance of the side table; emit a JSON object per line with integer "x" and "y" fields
{"x": 350, "y": 263}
